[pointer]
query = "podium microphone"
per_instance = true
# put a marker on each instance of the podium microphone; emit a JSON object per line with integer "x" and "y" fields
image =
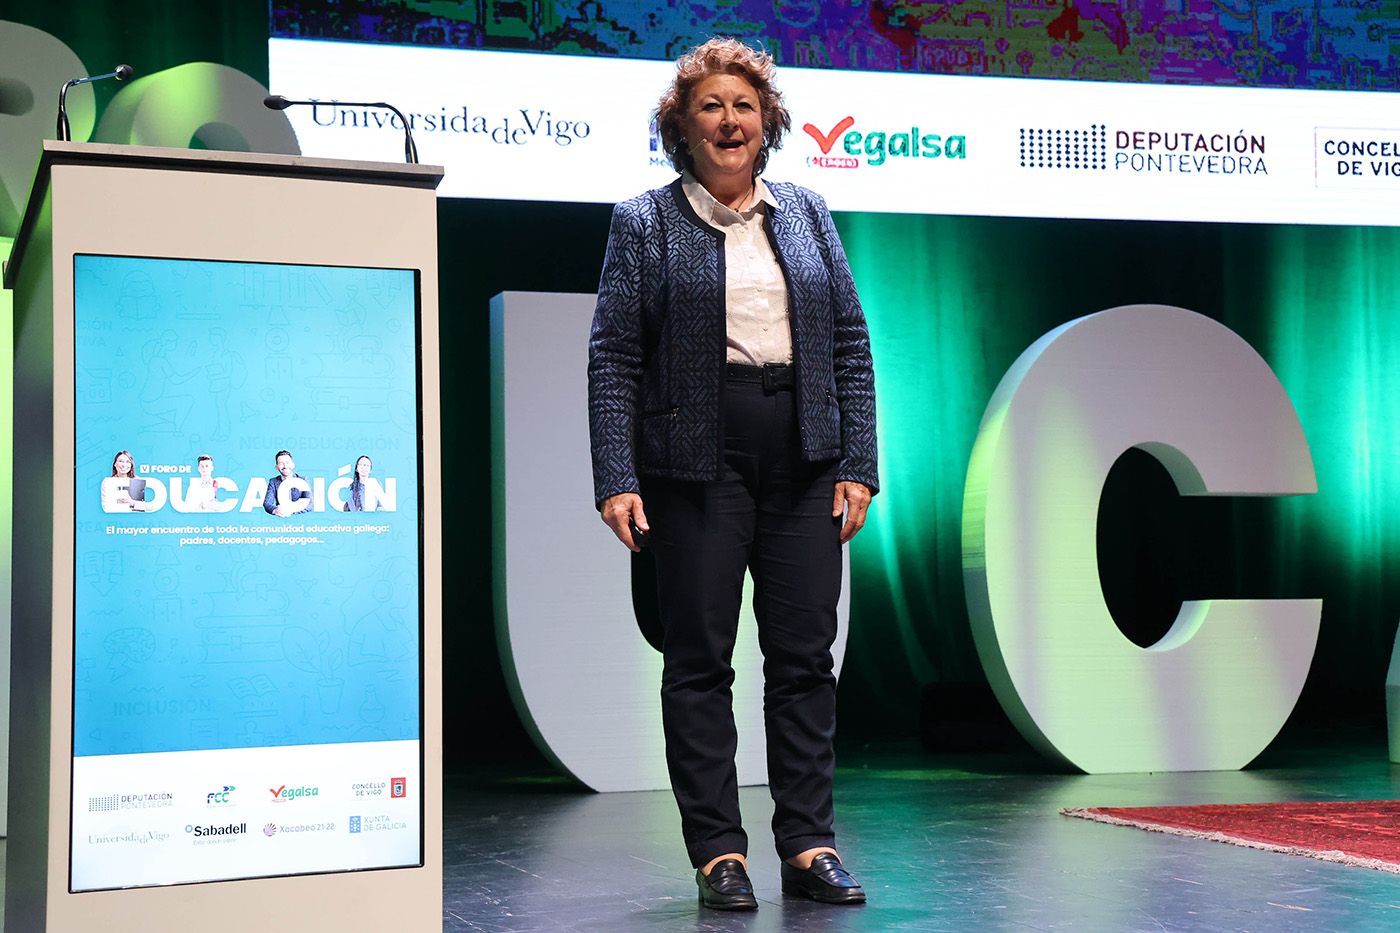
{"x": 410, "y": 151}
{"x": 65, "y": 132}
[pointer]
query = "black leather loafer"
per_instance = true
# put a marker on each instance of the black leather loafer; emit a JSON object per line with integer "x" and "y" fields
{"x": 727, "y": 887}
{"x": 826, "y": 881}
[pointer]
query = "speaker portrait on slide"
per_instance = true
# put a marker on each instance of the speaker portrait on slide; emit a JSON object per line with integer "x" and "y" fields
{"x": 116, "y": 489}
{"x": 277, "y": 504}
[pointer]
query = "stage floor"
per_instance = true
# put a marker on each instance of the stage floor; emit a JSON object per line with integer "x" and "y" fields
{"x": 940, "y": 843}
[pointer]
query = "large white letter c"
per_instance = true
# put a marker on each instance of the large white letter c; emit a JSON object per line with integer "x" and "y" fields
{"x": 1218, "y": 687}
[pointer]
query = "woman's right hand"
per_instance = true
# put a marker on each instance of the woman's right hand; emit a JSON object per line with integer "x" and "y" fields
{"x": 618, "y": 510}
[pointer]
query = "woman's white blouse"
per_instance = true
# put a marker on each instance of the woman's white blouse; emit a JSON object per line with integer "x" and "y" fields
{"x": 756, "y": 304}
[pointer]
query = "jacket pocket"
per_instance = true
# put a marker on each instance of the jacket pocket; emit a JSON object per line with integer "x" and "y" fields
{"x": 831, "y": 422}
{"x": 654, "y": 440}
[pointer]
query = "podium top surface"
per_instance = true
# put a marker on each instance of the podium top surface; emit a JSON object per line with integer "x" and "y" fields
{"x": 55, "y": 152}
{"x": 213, "y": 160}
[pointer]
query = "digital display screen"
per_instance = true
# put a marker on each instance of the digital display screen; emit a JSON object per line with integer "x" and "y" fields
{"x": 247, "y": 591}
{"x": 577, "y": 128}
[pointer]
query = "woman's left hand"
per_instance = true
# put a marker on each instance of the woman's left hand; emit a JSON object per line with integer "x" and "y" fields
{"x": 855, "y": 499}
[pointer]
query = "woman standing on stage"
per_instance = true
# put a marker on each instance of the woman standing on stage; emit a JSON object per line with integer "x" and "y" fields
{"x": 731, "y": 391}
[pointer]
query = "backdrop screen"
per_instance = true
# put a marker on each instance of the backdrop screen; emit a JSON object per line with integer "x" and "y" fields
{"x": 1182, "y": 112}
{"x": 996, "y": 170}
{"x": 247, "y": 571}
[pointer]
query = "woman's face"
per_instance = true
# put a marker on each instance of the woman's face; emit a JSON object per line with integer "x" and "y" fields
{"x": 206, "y": 468}
{"x": 362, "y": 466}
{"x": 724, "y": 130}
{"x": 122, "y": 465}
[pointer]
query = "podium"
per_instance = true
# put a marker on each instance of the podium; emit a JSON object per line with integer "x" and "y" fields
{"x": 225, "y": 687}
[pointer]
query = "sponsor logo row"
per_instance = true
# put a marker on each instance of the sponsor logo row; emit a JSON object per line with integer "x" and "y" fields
{"x": 851, "y": 143}
{"x": 1341, "y": 157}
{"x": 1094, "y": 146}
{"x": 219, "y": 833}
{"x": 229, "y": 795}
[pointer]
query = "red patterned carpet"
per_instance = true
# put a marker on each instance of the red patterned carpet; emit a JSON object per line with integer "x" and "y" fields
{"x": 1364, "y": 832}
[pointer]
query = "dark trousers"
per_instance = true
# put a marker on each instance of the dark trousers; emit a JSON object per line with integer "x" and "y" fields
{"x": 770, "y": 514}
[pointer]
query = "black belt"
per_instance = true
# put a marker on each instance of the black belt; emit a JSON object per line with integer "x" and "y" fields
{"x": 774, "y": 377}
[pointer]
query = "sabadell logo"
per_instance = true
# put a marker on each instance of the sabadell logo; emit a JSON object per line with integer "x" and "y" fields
{"x": 877, "y": 146}
{"x": 232, "y": 829}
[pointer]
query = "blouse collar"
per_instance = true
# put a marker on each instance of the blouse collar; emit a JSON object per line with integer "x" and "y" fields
{"x": 711, "y": 210}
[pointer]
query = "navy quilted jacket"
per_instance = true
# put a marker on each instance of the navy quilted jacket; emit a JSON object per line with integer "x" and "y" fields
{"x": 656, "y": 358}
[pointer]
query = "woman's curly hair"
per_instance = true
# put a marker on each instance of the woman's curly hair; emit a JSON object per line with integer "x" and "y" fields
{"x": 720, "y": 56}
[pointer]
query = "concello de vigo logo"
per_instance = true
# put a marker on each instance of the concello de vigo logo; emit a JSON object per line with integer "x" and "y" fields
{"x": 877, "y": 146}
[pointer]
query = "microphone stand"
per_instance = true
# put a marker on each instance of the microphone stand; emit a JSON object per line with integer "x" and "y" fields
{"x": 65, "y": 132}
{"x": 410, "y": 150}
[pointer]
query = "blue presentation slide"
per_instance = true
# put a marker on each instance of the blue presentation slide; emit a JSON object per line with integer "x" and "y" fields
{"x": 247, "y": 571}
{"x": 248, "y": 550}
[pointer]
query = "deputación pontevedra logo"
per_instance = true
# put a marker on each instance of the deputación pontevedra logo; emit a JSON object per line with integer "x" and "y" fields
{"x": 1145, "y": 151}
{"x": 1081, "y": 148}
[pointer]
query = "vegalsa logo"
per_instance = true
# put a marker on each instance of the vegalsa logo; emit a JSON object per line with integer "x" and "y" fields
{"x": 284, "y": 793}
{"x": 232, "y": 829}
{"x": 876, "y": 146}
{"x": 219, "y": 797}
